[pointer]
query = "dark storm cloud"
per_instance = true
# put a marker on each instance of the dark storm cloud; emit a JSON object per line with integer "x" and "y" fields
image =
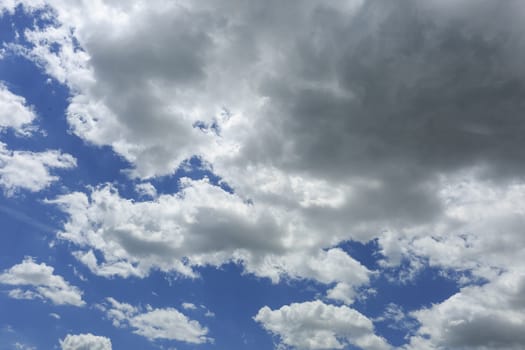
{"x": 399, "y": 93}
{"x": 489, "y": 332}
{"x": 416, "y": 93}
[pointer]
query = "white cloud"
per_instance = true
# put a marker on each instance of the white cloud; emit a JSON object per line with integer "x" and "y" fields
{"x": 9, "y": 6}
{"x": 202, "y": 308}
{"x": 189, "y": 306}
{"x": 480, "y": 237}
{"x": 479, "y": 232}
{"x": 491, "y": 316}
{"x": 90, "y": 113}
{"x": 153, "y": 127}
{"x": 167, "y": 323}
{"x": 146, "y": 189}
{"x": 25, "y": 169}
{"x": 395, "y": 317}
{"x": 15, "y": 113}
{"x": 21, "y": 294}
{"x": 22, "y": 346}
{"x": 30, "y": 170}
{"x": 315, "y": 325}
{"x": 42, "y": 283}
{"x": 201, "y": 225}
{"x": 315, "y": 114}
{"x": 86, "y": 341}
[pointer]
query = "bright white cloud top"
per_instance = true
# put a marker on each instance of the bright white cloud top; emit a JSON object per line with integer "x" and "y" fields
{"x": 153, "y": 324}
{"x": 30, "y": 170}
{"x": 315, "y": 325}
{"x": 86, "y": 341}
{"x": 201, "y": 225}
{"x": 14, "y": 112}
{"x": 299, "y": 128}
{"x": 25, "y": 169}
{"x": 41, "y": 282}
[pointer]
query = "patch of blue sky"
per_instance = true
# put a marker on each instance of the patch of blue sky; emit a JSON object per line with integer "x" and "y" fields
{"x": 193, "y": 168}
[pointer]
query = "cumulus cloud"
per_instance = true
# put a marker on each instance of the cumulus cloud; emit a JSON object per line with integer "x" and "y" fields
{"x": 25, "y": 169}
{"x": 201, "y": 225}
{"x": 15, "y": 113}
{"x": 146, "y": 189}
{"x": 315, "y": 325}
{"x": 30, "y": 170}
{"x": 481, "y": 238}
{"x": 86, "y": 341}
{"x": 42, "y": 284}
{"x": 480, "y": 231}
{"x": 167, "y": 323}
{"x": 331, "y": 69}
{"x": 490, "y": 316}
{"x": 332, "y": 140}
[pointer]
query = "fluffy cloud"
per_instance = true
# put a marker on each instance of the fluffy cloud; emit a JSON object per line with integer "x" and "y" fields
{"x": 146, "y": 189}
{"x": 30, "y": 170}
{"x": 15, "y": 113}
{"x": 480, "y": 230}
{"x": 481, "y": 236}
{"x": 25, "y": 169}
{"x": 189, "y": 306}
{"x": 484, "y": 317}
{"x": 85, "y": 342}
{"x": 369, "y": 126}
{"x": 201, "y": 225}
{"x": 179, "y": 51}
{"x": 349, "y": 132}
{"x": 167, "y": 323}
{"x": 42, "y": 282}
{"x": 316, "y": 325}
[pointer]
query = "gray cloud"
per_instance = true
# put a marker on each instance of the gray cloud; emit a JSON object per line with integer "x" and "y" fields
{"x": 406, "y": 93}
{"x": 478, "y": 317}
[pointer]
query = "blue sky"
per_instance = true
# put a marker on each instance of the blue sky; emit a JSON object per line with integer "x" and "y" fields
{"x": 261, "y": 175}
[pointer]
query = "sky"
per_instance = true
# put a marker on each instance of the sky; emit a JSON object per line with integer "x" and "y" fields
{"x": 289, "y": 175}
